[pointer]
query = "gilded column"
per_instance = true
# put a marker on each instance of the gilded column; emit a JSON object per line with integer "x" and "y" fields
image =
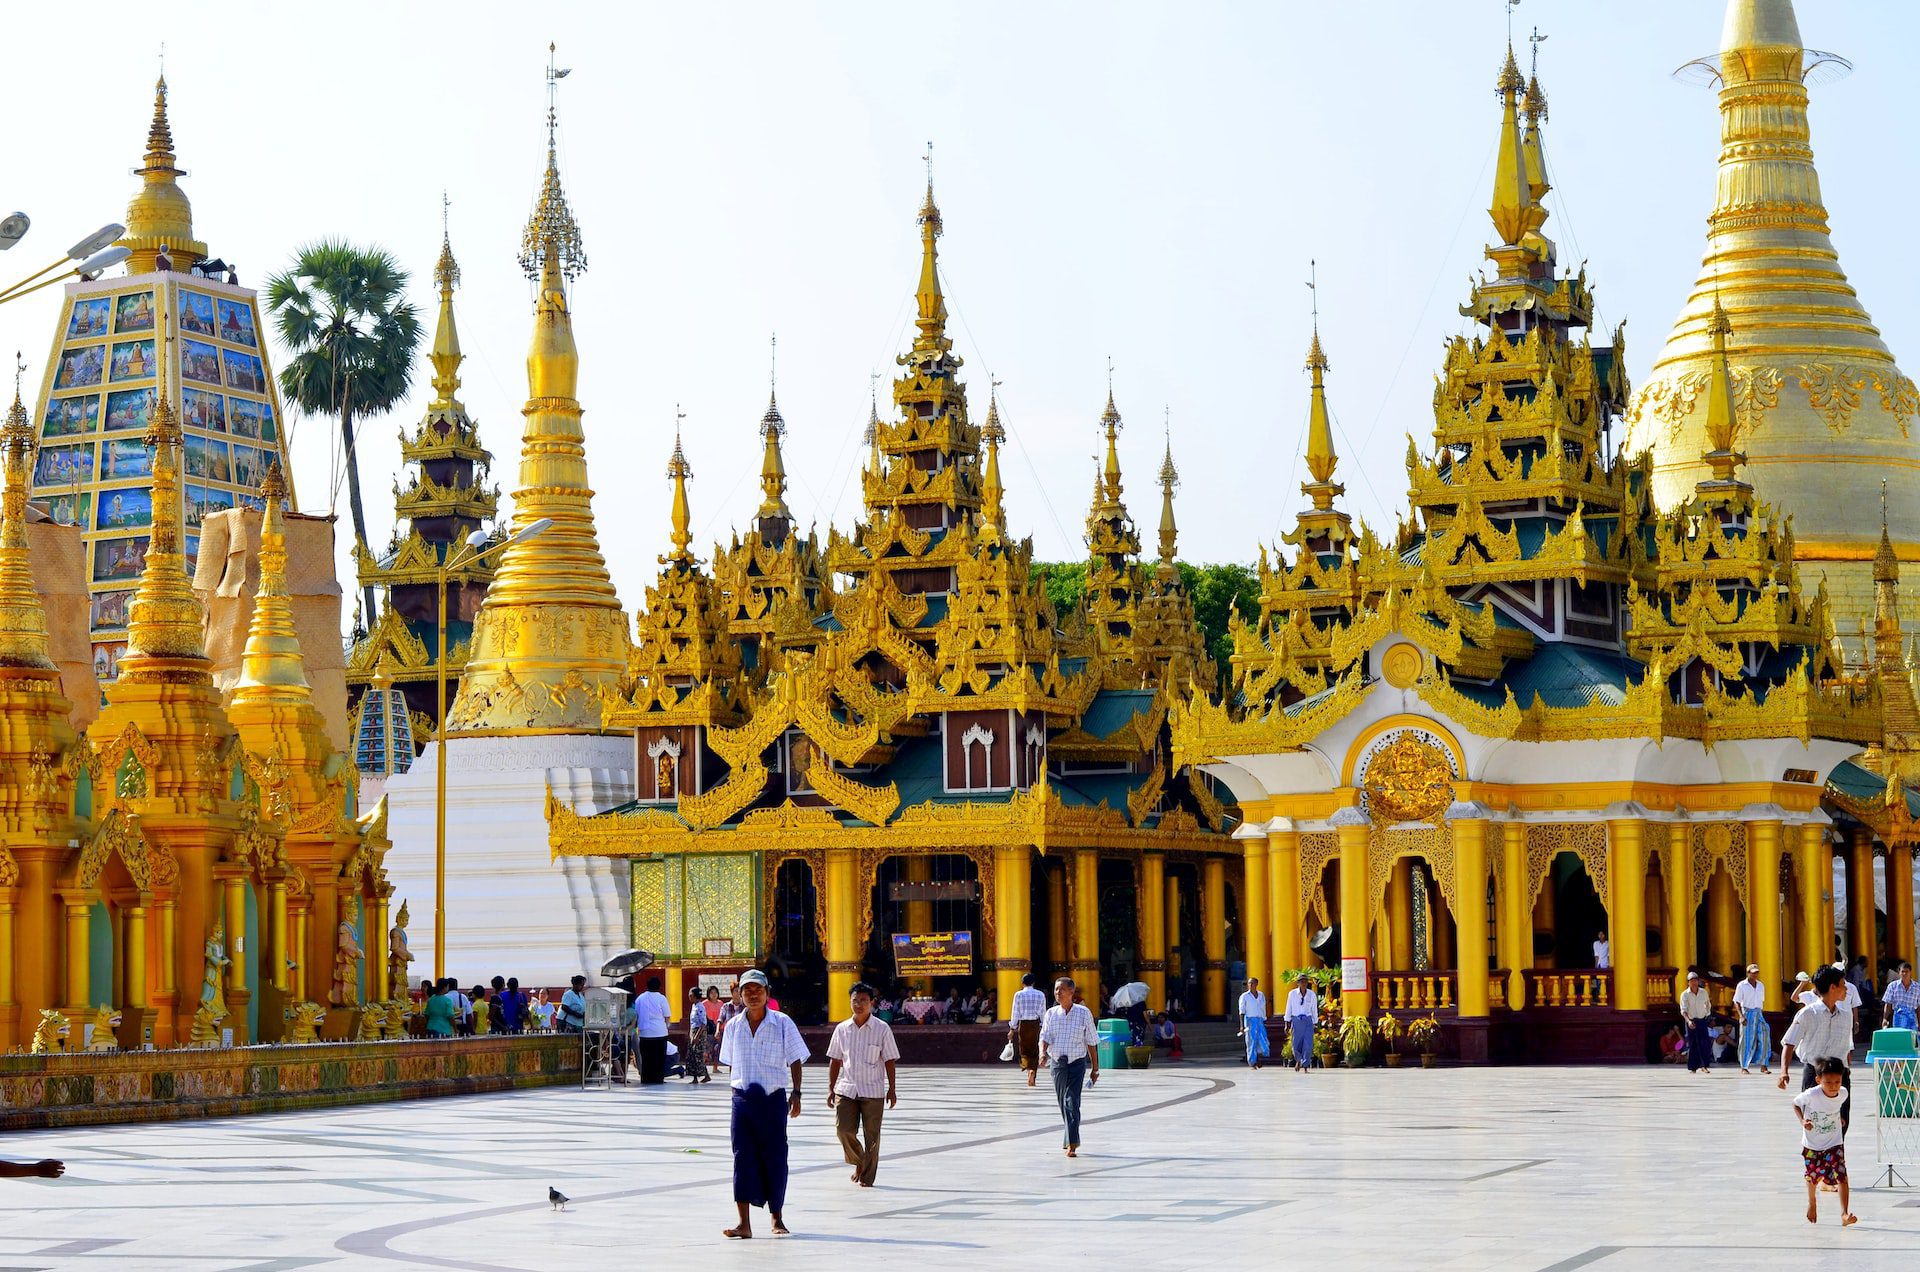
{"x": 1213, "y": 936}
{"x": 1012, "y": 925}
{"x": 1283, "y": 906}
{"x": 297, "y": 921}
{"x": 1057, "y": 931}
{"x": 234, "y": 888}
{"x": 136, "y": 932}
{"x": 1763, "y": 899}
{"x": 1627, "y": 916}
{"x": 167, "y": 1002}
{"x": 843, "y": 948}
{"x": 378, "y": 973}
{"x": 1255, "y": 927}
{"x": 277, "y": 930}
{"x": 79, "y": 956}
{"x": 1399, "y": 916}
{"x": 1469, "y": 823}
{"x": 1900, "y": 903}
{"x": 674, "y": 979}
{"x": 1153, "y": 927}
{"x": 1176, "y": 964}
{"x": 1860, "y": 907}
{"x": 1516, "y": 911}
{"x": 1353, "y": 830}
{"x": 9, "y": 1004}
{"x": 1677, "y": 866}
{"x": 1086, "y": 921}
{"x": 918, "y": 868}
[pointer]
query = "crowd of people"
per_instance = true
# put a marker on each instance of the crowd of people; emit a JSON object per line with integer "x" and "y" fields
{"x": 447, "y": 1011}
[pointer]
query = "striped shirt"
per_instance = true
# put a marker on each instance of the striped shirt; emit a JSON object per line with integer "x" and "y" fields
{"x": 760, "y": 1057}
{"x": 1820, "y": 1032}
{"x": 1028, "y": 1004}
{"x": 1067, "y": 1034}
{"x": 863, "y": 1051}
{"x": 1900, "y": 995}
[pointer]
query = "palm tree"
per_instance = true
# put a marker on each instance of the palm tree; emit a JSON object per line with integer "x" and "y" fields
{"x": 342, "y": 311}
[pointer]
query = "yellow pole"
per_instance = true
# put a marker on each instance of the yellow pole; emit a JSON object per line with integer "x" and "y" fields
{"x": 843, "y": 954}
{"x": 1516, "y": 911}
{"x": 136, "y": 956}
{"x": 1627, "y": 920}
{"x": 439, "y": 779}
{"x": 277, "y": 943}
{"x": 1677, "y": 866}
{"x": 6, "y": 957}
{"x": 1763, "y": 905}
{"x": 1900, "y": 903}
{"x": 1255, "y": 924}
{"x": 1153, "y": 928}
{"x": 1860, "y": 907}
{"x": 675, "y": 980}
{"x": 164, "y": 1033}
{"x": 1176, "y": 965}
{"x": 376, "y": 944}
{"x": 1086, "y": 921}
{"x": 1213, "y": 935}
{"x": 1056, "y": 922}
{"x": 300, "y": 955}
{"x": 1012, "y": 926}
{"x": 1283, "y": 906}
{"x": 1470, "y": 885}
{"x": 79, "y": 955}
{"x": 1352, "y": 830}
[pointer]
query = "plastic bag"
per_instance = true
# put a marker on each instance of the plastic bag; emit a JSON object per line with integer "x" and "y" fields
{"x": 1006, "y": 1052}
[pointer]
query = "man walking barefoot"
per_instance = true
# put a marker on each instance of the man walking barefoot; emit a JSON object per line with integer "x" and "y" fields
{"x": 859, "y": 1079}
{"x": 1023, "y": 1025}
{"x": 763, "y": 1050}
{"x": 1070, "y": 1045}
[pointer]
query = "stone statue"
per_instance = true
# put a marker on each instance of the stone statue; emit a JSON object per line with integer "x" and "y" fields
{"x": 105, "y": 1021}
{"x": 49, "y": 1033}
{"x": 306, "y": 1018}
{"x": 346, "y": 959}
{"x": 398, "y": 955}
{"x": 213, "y": 995}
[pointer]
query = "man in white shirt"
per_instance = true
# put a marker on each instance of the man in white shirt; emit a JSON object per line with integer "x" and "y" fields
{"x": 1301, "y": 1013}
{"x": 1849, "y": 1004}
{"x": 651, "y": 1011}
{"x": 1253, "y": 1022}
{"x": 1023, "y": 1026}
{"x": 1696, "y": 1009}
{"x": 1602, "y": 952}
{"x": 1750, "y": 1000}
{"x": 763, "y": 1052}
{"x": 1071, "y": 1045}
{"x": 860, "y": 1083}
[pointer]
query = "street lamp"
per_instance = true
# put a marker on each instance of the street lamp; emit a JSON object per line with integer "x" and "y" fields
{"x": 476, "y": 550}
{"x": 93, "y": 254}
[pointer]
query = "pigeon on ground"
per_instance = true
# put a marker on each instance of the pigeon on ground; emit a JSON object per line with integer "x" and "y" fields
{"x": 557, "y": 1199}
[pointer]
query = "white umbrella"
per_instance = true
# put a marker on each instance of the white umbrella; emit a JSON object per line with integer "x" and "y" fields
{"x": 1128, "y": 994}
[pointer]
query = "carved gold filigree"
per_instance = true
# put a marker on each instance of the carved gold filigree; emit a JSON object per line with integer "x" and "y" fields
{"x": 1407, "y": 777}
{"x": 1833, "y": 391}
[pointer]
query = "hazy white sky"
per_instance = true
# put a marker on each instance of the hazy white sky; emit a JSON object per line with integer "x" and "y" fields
{"x": 1141, "y": 181}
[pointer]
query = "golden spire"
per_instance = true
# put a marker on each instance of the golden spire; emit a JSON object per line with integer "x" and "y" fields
{"x": 1169, "y": 532}
{"x": 1322, "y": 460}
{"x": 872, "y": 436}
{"x": 678, "y": 470}
{"x": 932, "y": 318}
{"x": 1886, "y": 566}
{"x": 23, "y": 620}
{"x": 165, "y": 620}
{"x": 1513, "y": 204}
{"x": 1534, "y": 106}
{"x": 1721, "y": 457}
{"x": 160, "y": 215}
{"x": 993, "y": 513}
{"x": 272, "y": 668}
{"x": 773, "y": 467}
{"x": 446, "y": 355}
{"x": 1110, "y": 424}
{"x": 550, "y": 632}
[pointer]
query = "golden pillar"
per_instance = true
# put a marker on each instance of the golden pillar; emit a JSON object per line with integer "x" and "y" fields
{"x": 1256, "y": 934}
{"x": 136, "y": 977}
{"x": 1056, "y": 920}
{"x": 1900, "y": 903}
{"x": 37, "y": 924}
{"x": 674, "y": 979}
{"x": 1283, "y": 902}
{"x": 277, "y": 930}
{"x": 1153, "y": 929}
{"x": 298, "y": 923}
{"x": 1654, "y": 906}
{"x": 1515, "y": 912}
{"x": 1012, "y": 923}
{"x": 1399, "y": 916}
{"x": 1176, "y": 964}
{"x": 79, "y": 955}
{"x": 167, "y": 1001}
{"x": 1544, "y": 919}
{"x": 1763, "y": 906}
{"x": 9, "y": 1005}
{"x": 1860, "y": 906}
{"x": 1086, "y": 922}
{"x": 379, "y": 990}
{"x": 1213, "y": 935}
{"x": 918, "y": 868}
{"x": 1676, "y": 868}
{"x": 233, "y": 890}
{"x": 843, "y": 917}
{"x": 1627, "y": 917}
{"x": 1352, "y": 830}
{"x": 1723, "y": 921}
{"x": 1470, "y": 885}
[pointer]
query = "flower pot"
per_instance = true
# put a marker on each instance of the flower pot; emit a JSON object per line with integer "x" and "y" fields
{"x": 1328, "y": 1059}
{"x": 1139, "y": 1057}
{"x": 1393, "y": 1059}
{"x": 1356, "y": 1059}
{"x": 1428, "y": 1060}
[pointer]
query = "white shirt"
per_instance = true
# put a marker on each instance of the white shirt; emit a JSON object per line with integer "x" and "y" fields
{"x": 1695, "y": 1005}
{"x": 1253, "y": 1003}
{"x": 650, "y": 1014}
{"x": 1806, "y": 998}
{"x": 1750, "y": 994}
{"x": 1068, "y": 1034}
{"x": 1823, "y": 1111}
{"x": 760, "y": 1057}
{"x": 1302, "y": 1002}
{"x": 1028, "y": 1004}
{"x": 1602, "y": 955}
{"x": 863, "y": 1051}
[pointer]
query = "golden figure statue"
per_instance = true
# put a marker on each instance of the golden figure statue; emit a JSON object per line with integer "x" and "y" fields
{"x": 373, "y": 1023}
{"x": 398, "y": 953}
{"x": 105, "y": 1021}
{"x": 213, "y": 996}
{"x": 50, "y": 1033}
{"x": 306, "y": 1018}
{"x": 346, "y": 958}
{"x": 397, "y": 1012}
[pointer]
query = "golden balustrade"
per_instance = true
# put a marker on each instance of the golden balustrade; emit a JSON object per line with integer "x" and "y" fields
{"x": 1660, "y": 986}
{"x": 1413, "y": 991}
{"x": 1572, "y": 987}
{"x": 1721, "y": 996}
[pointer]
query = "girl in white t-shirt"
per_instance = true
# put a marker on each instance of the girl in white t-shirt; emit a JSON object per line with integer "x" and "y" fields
{"x": 1823, "y": 1145}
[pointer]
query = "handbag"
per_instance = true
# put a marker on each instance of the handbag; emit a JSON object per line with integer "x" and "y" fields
{"x": 1006, "y": 1052}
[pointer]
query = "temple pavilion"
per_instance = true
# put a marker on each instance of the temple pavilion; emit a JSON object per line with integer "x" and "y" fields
{"x": 893, "y": 732}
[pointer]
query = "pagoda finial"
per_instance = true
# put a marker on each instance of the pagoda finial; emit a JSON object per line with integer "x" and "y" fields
{"x": 872, "y": 436}
{"x": 272, "y": 668}
{"x": 165, "y": 619}
{"x": 550, "y": 247}
{"x": 993, "y": 513}
{"x": 1513, "y": 206}
{"x": 1721, "y": 457}
{"x": 773, "y": 468}
{"x": 1533, "y": 151}
{"x": 679, "y": 470}
{"x": 1110, "y": 424}
{"x": 932, "y": 319}
{"x": 159, "y": 216}
{"x": 23, "y": 618}
{"x": 1169, "y": 483}
{"x": 1886, "y": 565}
{"x": 1322, "y": 459}
{"x": 445, "y": 354}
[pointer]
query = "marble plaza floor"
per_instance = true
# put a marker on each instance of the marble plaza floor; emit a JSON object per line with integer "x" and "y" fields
{"x": 1192, "y": 1166}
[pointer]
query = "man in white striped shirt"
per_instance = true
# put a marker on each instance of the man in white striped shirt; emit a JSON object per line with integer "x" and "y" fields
{"x": 763, "y": 1052}
{"x": 1023, "y": 1026}
{"x": 859, "y": 1078}
{"x": 1070, "y": 1043}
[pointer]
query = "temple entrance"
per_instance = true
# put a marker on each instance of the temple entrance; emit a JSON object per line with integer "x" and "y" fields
{"x": 1185, "y": 943}
{"x": 935, "y": 892}
{"x": 1579, "y": 917}
{"x": 796, "y": 963}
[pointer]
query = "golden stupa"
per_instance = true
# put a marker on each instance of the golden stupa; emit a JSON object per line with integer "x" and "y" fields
{"x": 1822, "y": 410}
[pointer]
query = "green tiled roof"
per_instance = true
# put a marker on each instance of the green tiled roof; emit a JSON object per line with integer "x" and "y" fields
{"x": 1566, "y": 675}
{"x": 1111, "y": 710}
{"x": 1865, "y": 785}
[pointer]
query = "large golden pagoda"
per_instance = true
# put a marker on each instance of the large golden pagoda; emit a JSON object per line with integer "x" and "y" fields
{"x": 551, "y": 634}
{"x": 1821, "y": 409}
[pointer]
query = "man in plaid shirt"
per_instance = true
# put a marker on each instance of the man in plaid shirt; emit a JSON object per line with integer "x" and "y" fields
{"x": 1900, "y": 1005}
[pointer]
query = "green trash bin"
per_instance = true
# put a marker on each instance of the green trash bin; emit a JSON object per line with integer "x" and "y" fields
{"x": 1114, "y": 1039}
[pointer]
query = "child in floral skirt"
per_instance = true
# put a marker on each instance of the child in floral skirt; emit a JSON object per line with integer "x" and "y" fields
{"x": 1822, "y": 1143}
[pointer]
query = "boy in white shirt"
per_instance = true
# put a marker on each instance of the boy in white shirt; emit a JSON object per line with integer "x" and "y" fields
{"x": 1822, "y": 1138}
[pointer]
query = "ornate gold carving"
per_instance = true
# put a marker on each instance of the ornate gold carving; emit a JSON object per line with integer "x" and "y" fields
{"x": 1407, "y": 776}
{"x": 1833, "y": 390}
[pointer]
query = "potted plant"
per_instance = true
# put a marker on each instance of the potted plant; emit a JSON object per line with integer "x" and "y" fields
{"x": 1389, "y": 1030}
{"x": 1325, "y": 1043}
{"x": 1424, "y": 1034}
{"x": 1356, "y": 1038}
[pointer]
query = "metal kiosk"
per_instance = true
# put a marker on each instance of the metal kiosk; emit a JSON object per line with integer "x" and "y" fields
{"x": 606, "y": 1018}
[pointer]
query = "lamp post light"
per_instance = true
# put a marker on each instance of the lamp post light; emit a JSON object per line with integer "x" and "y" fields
{"x": 91, "y": 254}
{"x": 476, "y": 550}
